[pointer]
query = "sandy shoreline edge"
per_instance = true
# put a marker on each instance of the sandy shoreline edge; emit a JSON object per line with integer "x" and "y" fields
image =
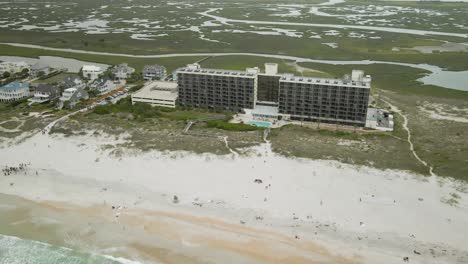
{"x": 304, "y": 211}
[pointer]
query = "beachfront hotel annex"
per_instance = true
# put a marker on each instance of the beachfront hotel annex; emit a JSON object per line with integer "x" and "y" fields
{"x": 278, "y": 96}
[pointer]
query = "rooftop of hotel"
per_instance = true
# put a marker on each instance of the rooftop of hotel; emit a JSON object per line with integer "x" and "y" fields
{"x": 158, "y": 90}
{"x": 217, "y": 72}
{"x": 325, "y": 81}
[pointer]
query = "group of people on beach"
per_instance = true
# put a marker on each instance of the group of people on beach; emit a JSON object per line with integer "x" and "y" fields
{"x": 8, "y": 170}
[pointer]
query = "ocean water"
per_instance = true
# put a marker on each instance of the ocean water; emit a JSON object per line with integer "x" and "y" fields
{"x": 14, "y": 250}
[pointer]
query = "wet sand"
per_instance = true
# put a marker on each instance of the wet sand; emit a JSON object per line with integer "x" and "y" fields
{"x": 148, "y": 235}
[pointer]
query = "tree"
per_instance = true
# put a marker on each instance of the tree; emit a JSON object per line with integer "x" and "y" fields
{"x": 135, "y": 77}
{"x": 6, "y": 75}
{"x": 108, "y": 73}
{"x": 41, "y": 74}
{"x": 93, "y": 93}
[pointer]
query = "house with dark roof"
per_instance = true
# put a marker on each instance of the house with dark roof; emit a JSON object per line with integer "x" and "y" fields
{"x": 73, "y": 82}
{"x": 104, "y": 85}
{"x": 45, "y": 93}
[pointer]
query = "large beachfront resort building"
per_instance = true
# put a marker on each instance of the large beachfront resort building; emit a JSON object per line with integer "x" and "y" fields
{"x": 217, "y": 89}
{"x": 277, "y": 96}
{"x": 337, "y": 101}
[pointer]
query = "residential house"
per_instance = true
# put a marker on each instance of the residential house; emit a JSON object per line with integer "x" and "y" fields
{"x": 38, "y": 68}
{"x": 13, "y": 67}
{"x": 14, "y": 91}
{"x": 45, "y": 93}
{"x": 122, "y": 71}
{"x": 104, "y": 85}
{"x": 154, "y": 72}
{"x": 73, "y": 82}
{"x": 71, "y": 96}
{"x": 91, "y": 72}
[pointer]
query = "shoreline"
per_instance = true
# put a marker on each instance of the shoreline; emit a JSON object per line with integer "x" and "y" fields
{"x": 365, "y": 215}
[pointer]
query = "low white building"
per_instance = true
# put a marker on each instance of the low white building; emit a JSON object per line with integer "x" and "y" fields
{"x": 13, "y": 67}
{"x": 379, "y": 119}
{"x": 72, "y": 96}
{"x": 91, "y": 72}
{"x": 157, "y": 93}
{"x": 14, "y": 91}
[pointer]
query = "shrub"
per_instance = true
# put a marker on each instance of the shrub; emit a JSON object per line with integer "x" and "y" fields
{"x": 231, "y": 126}
{"x": 101, "y": 110}
{"x": 136, "y": 88}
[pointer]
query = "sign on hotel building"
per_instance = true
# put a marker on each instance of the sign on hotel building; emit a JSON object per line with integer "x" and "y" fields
{"x": 340, "y": 101}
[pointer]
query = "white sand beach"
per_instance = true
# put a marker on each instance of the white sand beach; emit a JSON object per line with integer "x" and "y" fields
{"x": 302, "y": 211}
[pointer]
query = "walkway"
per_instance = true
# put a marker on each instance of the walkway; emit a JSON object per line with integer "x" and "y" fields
{"x": 406, "y": 128}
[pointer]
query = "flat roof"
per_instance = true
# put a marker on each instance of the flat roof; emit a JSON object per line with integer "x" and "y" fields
{"x": 218, "y": 72}
{"x": 158, "y": 90}
{"x": 91, "y": 68}
{"x": 325, "y": 81}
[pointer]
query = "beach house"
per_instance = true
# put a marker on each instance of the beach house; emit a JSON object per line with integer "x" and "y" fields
{"x": 45, "y": 93}
{"x": 154, "y": 72}
{"x": 104, "y": 85}
{"x": 14, "y": 91}
{"x": 91, "y": 72}
{"x": 71, "y": 96}
{"x": 72, "y": 82}
{"x": 122, "y": 71}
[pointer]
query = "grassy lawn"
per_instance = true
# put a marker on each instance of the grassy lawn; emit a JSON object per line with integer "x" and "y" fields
{"x": 375, "y": 150}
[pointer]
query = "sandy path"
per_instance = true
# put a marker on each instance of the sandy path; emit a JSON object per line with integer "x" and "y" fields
{"x": 406, "y": 128}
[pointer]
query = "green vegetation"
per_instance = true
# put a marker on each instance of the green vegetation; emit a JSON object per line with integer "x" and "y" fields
{"x": 375, "y": 150}
{"x": 136, "y": 88}
{"x": 224, "y": 125}
{"x": 140, "y": 111}
{"x": 8, "y": 78}
{"x": 137, "y": 63}
{"x": 19, "y": 117}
